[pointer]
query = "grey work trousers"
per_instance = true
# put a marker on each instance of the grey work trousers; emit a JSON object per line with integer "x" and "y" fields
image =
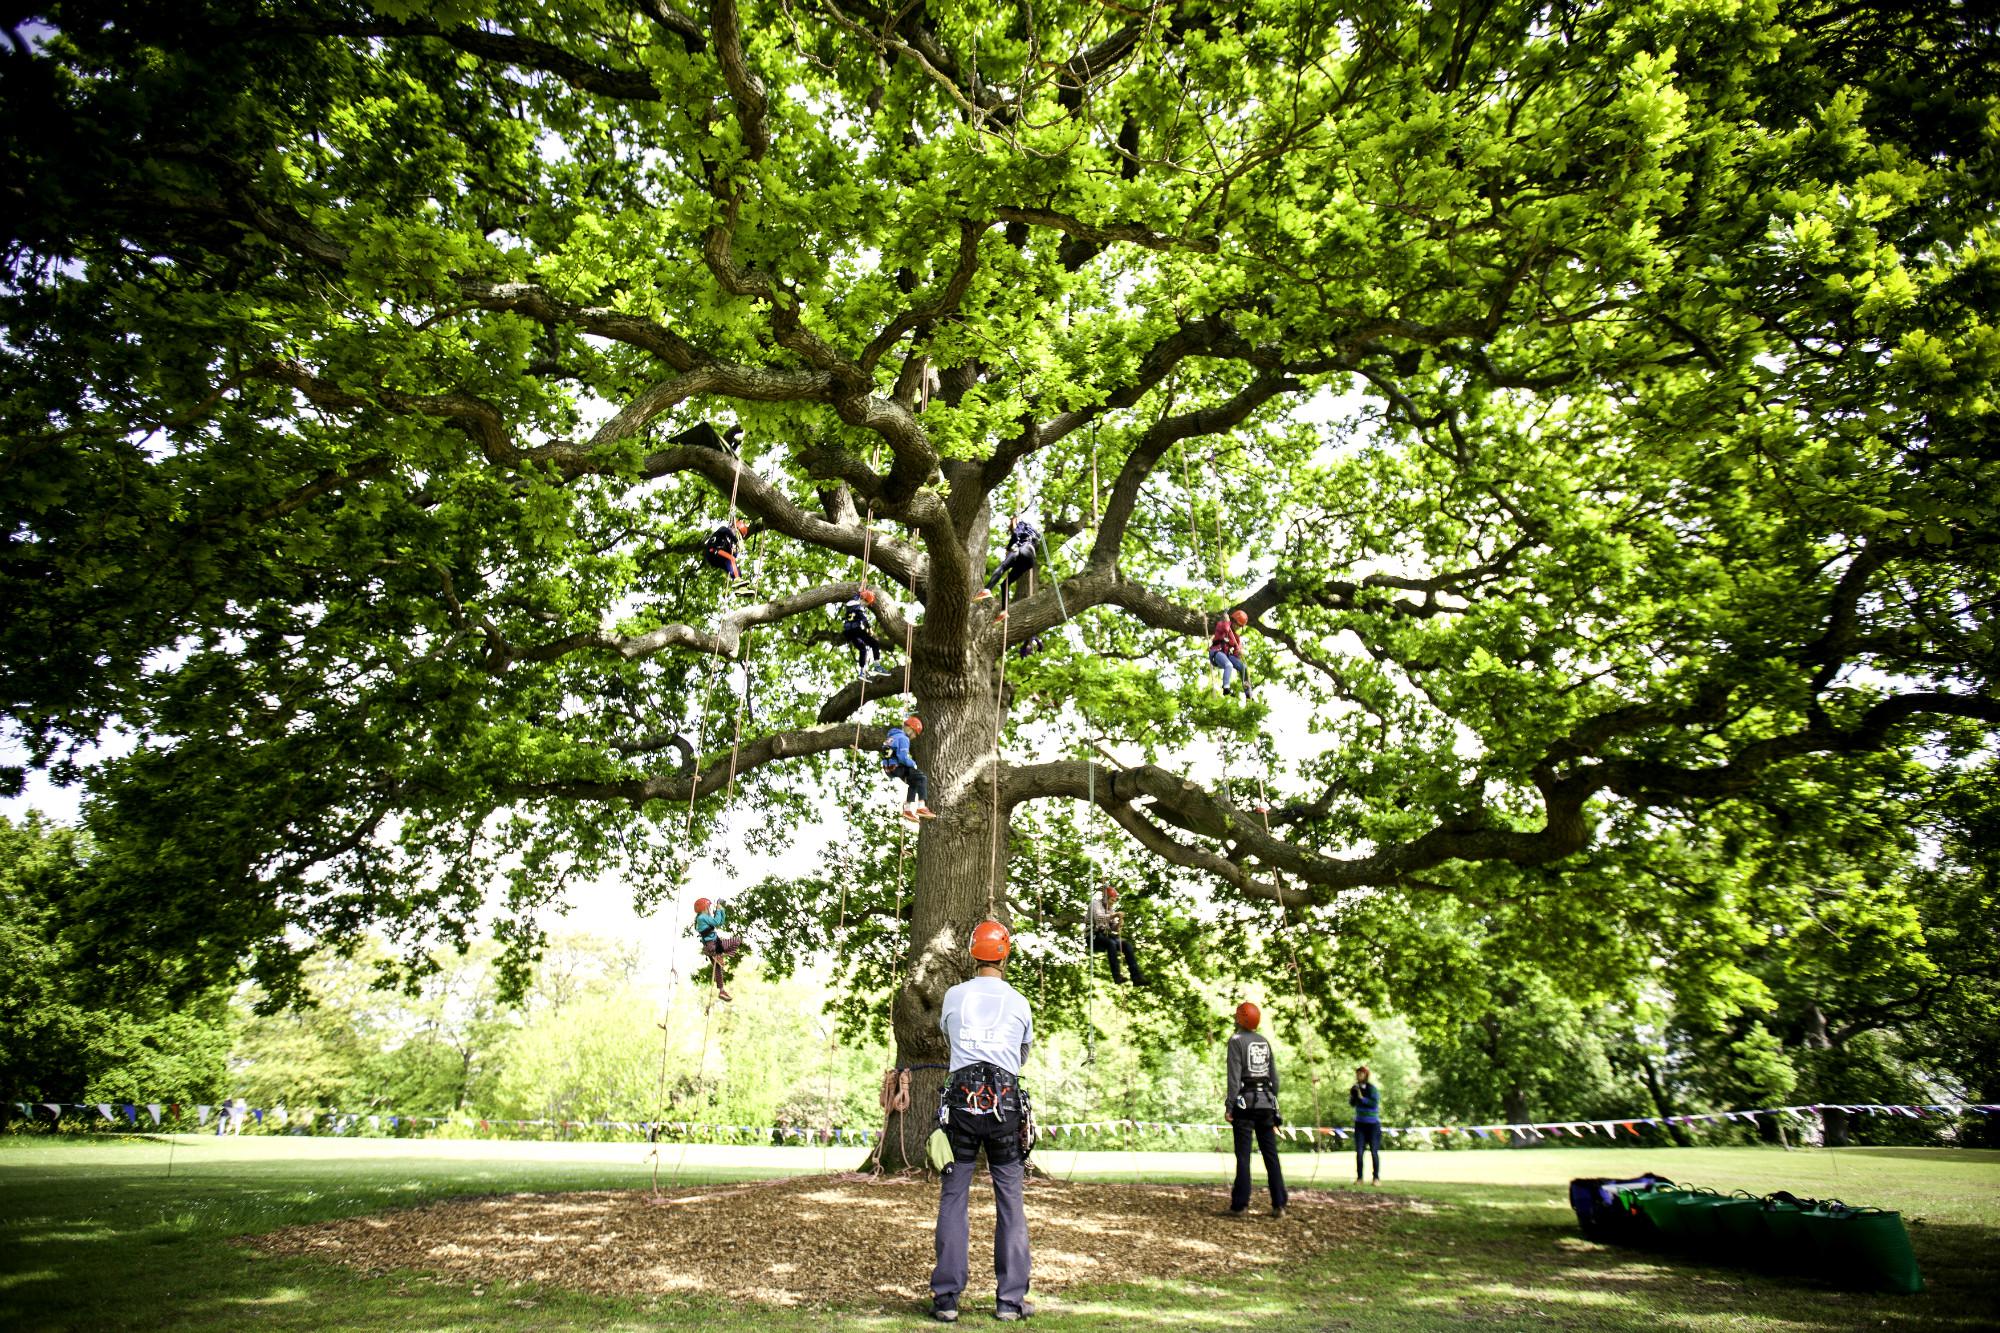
{"x": 1010, "y": 1228}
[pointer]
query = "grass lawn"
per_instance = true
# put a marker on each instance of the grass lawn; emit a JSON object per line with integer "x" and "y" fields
{"x": 95, "y": 1235}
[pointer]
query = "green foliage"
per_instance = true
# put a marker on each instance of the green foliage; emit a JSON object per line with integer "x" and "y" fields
{"x": 73, "y": 1034}
{"x": 1595, "y": 408}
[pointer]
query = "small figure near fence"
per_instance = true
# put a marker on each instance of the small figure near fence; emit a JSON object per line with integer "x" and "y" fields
{"x": 1366, "y": 1099}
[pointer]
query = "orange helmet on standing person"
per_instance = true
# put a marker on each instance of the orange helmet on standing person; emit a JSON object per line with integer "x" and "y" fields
{"x": 1248, "y": 1016}
{"x": 990, "y": 942}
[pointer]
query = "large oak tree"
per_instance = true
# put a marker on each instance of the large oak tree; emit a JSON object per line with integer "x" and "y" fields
{"x": 1590, "y": 405}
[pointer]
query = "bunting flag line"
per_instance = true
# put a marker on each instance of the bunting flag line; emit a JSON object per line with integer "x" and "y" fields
{"x": 340, "y": 1122}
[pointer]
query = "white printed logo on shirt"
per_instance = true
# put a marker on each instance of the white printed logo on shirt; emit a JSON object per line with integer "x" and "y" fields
{"x": 1257, "y": 1059}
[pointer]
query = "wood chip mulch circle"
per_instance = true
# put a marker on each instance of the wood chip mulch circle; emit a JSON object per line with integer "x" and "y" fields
{"x": 820, "y": 1241}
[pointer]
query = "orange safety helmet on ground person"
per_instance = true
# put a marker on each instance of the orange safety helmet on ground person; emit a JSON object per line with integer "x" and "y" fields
{"x": 990, "y": 942}
{"x": 914, "y": 725}
{"x": 701, "y": 905}
{"x": 1239, "y": 617}
{"x": 1248, "y": 1015}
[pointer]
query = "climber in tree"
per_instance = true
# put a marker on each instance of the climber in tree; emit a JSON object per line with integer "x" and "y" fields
{"x": 854, "y": 631}
{"x": 1017, "y": 564}
{"x": 897, "y": 763}
{"x": 715, "y": 946}
{"x": 719, "y": 551}
{"x": 1107, "y": 936}
{"x": 1225, "y": 648}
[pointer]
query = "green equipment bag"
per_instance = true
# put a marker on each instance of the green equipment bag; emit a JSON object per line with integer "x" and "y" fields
{"x": 1693, "y": 1216}
{"x": 1739, "y": 1225}
{"x": 1785, "y": 1225}
{"x": 1661, "y": 1207}
{"x": 1863, "y": 1247}
{"x": 937, "y": 1150}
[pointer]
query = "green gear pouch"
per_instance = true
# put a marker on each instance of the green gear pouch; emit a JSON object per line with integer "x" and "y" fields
{"x": 937, "y": 1151}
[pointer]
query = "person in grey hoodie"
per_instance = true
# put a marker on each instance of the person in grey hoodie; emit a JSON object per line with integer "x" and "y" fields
{"x": 1252, "y": 1109}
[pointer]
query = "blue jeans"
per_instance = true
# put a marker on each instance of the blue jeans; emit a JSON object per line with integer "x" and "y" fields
{"x": 1226, "y": 661}
{"x": 1369, "y": 1138}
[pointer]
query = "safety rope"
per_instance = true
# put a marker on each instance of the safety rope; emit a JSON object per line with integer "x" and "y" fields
{"x": 831, "y": 1026}
{"x": 1291, "y": 945}
{"x": 1194, "y": 533}
{"x": 861, "y": 584}
{"x": 700, "y": 1074}
{"x": 1093, "y": 476}
{"x": 999, "y": 705}
{"x": 1215, "y": 485}
{"x": 694, "y": 791}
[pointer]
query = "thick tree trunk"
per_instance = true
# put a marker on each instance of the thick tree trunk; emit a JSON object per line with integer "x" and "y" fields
{"x": 1819, "y": 1037}
{"x": 956, "y": 880}
{"x": 1661, "y": 1106}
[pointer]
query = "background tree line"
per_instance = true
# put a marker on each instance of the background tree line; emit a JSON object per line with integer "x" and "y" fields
{"x": 1875, "y": 983}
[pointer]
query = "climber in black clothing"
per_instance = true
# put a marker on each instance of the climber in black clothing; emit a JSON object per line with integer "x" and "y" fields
{"x": 1017, "y": 564}
{"x": 854, "y": 632}
{"x": 719, "y": 551}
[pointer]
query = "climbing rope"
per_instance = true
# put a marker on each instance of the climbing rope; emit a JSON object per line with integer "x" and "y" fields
{"x": 1194, "y": 533}
{"x": 1291, "y": 945}
{"x": 694, "y": 792}
{"x": 700, "y": 1074}
{"x": 831, "y": 1026}
{"x": 999, "y": 705}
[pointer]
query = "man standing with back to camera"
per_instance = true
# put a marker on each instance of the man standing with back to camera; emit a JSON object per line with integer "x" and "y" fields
{"x": 1252, "y": 1109}
{"x": 989, "y": 1027}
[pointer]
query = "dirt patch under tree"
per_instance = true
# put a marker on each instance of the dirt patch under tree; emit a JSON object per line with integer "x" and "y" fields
{"x": 841, "y": 1240}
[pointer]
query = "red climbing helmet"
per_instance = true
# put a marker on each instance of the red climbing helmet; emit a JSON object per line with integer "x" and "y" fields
{"x": 867, "y": 596}
{"x": 1239, "y": 617}
{"x": 701, "y": 905}
{"x": 1248, "y": 1016}
{"x": 743, "y": 525}
{"x": 1111, "y": 890}
{"x": 990, "y": 942}
{"x": 914, "y": 725}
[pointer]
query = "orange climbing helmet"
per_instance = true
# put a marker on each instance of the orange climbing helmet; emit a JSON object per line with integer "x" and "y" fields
{"x": 1239, "y": 617}
{"x": 701, "y": 905}
{"x": 1248, "y": 1016}
{"x": 914, "y": 725}
{"x": 1110, "y": 890}
{"x": 743, "y": 525}
{"x": 867, "y": 596}
{"x": 991, "y": 943}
